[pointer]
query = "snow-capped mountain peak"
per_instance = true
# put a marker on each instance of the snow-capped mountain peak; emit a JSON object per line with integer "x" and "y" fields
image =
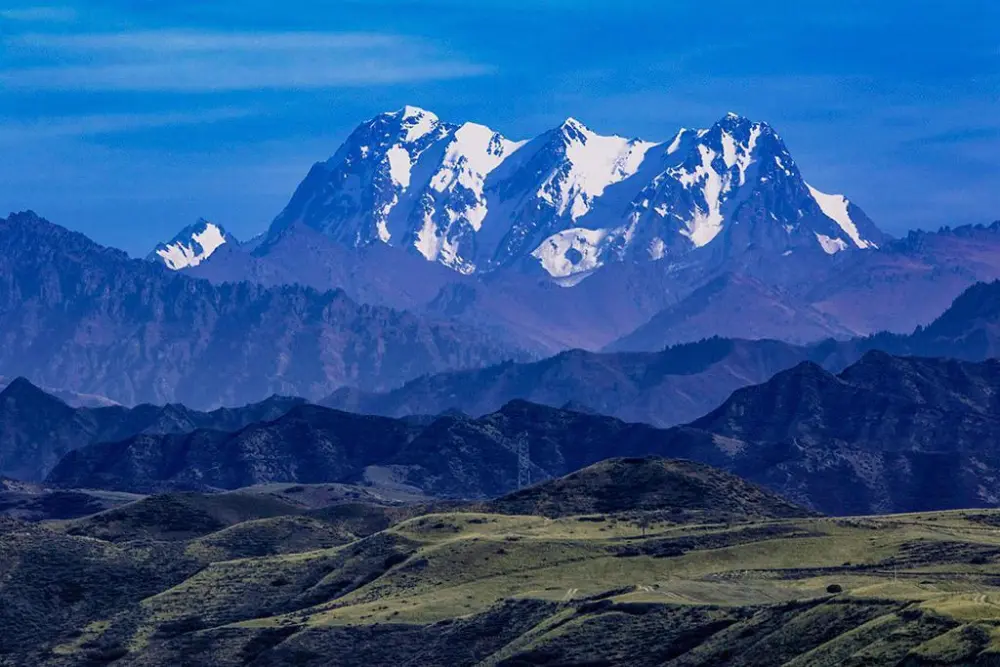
{"x": 410, "y": 112}
{"x": 571, "y": 199}
{"x": 417, "y": 122}
{"x": 451, "y": 208}
{"x": 407, "y": 179}
{"x": 572, "y": 125}
{"x": 714, "y": 168}
{"x": 732, "y": 185}
{"x": 192, "y": 245}
{"x": 591, "y": 162}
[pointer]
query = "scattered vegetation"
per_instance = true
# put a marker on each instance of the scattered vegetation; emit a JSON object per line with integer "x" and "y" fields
{"x": 255, "y": 580}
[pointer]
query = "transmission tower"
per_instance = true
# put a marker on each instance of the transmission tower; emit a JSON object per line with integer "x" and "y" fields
{"x": 523, "y": 462}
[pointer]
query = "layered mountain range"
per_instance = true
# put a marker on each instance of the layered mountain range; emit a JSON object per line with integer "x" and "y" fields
{"x": 86, "y": 318}
{"x": 339, "y": 292}
{"x": 887, "y": 434}
{"x": 39, "y": 428}
{"x": 712, "y": 232}
{"x": 422, "y": 470}
{"x": 137, "y": 332}
{"x": 682, "y": 382}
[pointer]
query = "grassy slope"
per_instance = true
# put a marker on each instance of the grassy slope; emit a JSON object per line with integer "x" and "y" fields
{"x": 466, "y": 588}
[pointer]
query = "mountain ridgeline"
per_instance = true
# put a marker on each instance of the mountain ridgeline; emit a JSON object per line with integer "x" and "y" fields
{"x": 680, "y": 383}
{"x": 447, "y": 294}
{"x": 712, "y": 232}
{"x": 664, "y": 388}
{"x": 575, "y": 399}
{"x": 80, "y": 316}
{"x": 570, "y": 200}
{"x": 423, "y": 247}
{"x": 648, "y": 484}
{"x": 888, "y": 434}
{"x": 39, "y": 429}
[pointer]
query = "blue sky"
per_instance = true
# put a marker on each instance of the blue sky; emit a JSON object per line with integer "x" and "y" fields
{"x": 128, "y": 119}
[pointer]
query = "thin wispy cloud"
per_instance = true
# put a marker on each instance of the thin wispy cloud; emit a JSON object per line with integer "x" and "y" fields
{"x": 39, "y": 14}
{"x": 194, "y": 41}
{"x": 199, "y": 61}
{"x": 104, "y": 124}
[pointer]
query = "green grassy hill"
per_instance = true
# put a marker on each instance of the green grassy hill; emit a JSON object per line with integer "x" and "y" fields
{"x": 478, "y": 588}
{"x": 687, "y": 489}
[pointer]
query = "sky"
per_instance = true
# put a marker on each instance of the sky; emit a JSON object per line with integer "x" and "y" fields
{"x": 129, "y": 119}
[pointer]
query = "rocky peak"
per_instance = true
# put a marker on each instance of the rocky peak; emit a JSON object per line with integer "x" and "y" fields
{"x": 573, "y": 130}
{"x": 24, "y": 392}
{"x": 192, "y": 245}
{"x": 571, "y": 200}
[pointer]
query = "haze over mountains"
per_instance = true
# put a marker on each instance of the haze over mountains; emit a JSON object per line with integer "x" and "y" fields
{"x": 424, "y": 247}
{"x": 39, "y": 428}
{"x": 319, "y": 526}
{"x": 887, "y": 434}
{"x": 80, "y": 316}
{"x": 350, "y": 383}
{"x": 680, "y": 383}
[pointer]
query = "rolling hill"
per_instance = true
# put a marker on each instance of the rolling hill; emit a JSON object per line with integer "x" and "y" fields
{"x": 762, "y": 584}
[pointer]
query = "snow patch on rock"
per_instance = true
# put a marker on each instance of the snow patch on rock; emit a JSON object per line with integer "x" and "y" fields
{"x": 192, "y": 247}
{"x": 831, "y": 246}
{"x": 571, "y": 251}
{"x": 836, "y": 207}
{"x": 398, "y": 159}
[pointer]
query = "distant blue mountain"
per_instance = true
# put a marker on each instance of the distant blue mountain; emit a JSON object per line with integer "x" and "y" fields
{"x": 86, "y": 318}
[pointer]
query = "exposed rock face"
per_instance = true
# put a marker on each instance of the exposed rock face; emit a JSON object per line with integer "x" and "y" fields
{"x": 887, "y": 434}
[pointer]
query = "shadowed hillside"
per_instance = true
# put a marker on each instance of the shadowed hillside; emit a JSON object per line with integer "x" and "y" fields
{"x": 680, "y": 383}
{"x": 887, "y": 434}
{"x": 669, "y": 563}
{"x": 39, "y": 429}
{"x": 690, "y": 490}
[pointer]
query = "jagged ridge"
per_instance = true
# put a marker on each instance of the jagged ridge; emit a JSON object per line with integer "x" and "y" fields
{"x": 570, "y": 200}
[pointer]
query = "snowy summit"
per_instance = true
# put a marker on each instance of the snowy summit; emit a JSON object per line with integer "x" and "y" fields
{"x": 193, "y": 245}
{"x": 570, "y": 200}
